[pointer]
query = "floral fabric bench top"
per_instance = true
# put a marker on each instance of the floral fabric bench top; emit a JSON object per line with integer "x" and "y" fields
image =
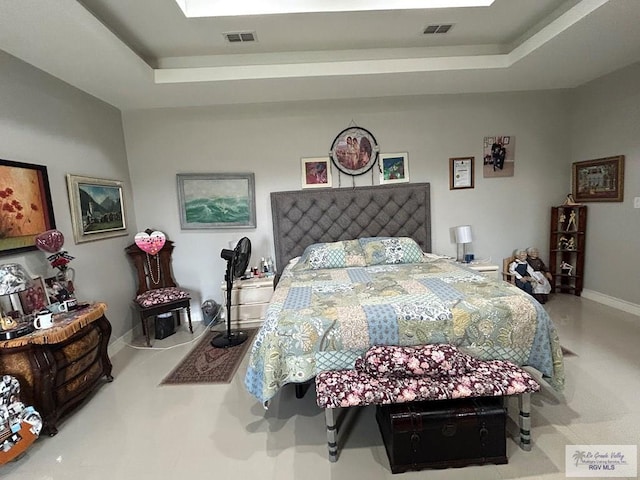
{"x": 394, "y": 374}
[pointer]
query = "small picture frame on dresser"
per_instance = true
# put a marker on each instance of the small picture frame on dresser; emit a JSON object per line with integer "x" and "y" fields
{"x": 34, "y": 298}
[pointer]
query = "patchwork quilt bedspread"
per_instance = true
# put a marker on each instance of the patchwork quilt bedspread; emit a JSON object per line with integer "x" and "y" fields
{"x": 324, "y": 319}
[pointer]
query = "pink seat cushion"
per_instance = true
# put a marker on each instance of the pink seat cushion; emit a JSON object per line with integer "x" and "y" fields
{"x": 159, "y": 296}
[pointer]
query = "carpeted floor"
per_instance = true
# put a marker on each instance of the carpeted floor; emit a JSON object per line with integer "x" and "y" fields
{"x": 207, "y": 364}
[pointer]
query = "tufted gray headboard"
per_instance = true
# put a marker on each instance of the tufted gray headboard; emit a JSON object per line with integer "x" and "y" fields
{"x": 304, "y": 217}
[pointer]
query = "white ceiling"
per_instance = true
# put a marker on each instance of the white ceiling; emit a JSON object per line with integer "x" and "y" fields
{"x": 145, "y": 53}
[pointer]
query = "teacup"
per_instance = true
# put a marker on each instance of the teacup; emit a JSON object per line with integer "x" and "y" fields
{"x": 58, "y": 307}
{"x": 44, "y": 319}
{"x": 70, "y": 304}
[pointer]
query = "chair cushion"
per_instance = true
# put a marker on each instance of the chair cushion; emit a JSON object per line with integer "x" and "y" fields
{"x": 158, "y": 296}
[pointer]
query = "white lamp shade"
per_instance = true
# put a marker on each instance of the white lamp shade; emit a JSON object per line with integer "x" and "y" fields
{"x": 463, "y": 234}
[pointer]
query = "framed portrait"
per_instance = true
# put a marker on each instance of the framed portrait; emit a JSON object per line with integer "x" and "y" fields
{"x": 394, "y": 168}
{"x": 34, "y": 298}
{"x": 97, "y": 208}
{"x": 316, "y": 172}
{"x": 25, "y": 206}
{"x": 461, "y": 173}
{"x": 354, "y": 151}
{"x": 499, "y": 156}
{"x": 216, "y": 200}
{"x": 600, "y": 180}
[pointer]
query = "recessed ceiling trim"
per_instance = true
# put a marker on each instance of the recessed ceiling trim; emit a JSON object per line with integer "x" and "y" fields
{"x": 228, "y": 8}
{"x": 378, "y": 66}
{"x": 328, "y": 69}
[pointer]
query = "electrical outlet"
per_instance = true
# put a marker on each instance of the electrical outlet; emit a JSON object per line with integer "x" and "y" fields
{"x": 636, "y": 202}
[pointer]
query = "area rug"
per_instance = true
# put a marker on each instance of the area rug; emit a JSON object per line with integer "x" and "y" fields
{"x": 207, "y": 364}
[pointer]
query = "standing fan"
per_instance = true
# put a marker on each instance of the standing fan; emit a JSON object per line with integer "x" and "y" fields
{"x": 237, "y": 262}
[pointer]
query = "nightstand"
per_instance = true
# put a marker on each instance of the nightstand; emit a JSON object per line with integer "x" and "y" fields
{"x": 249, "y": 300}
{"x": 486, "y": 269}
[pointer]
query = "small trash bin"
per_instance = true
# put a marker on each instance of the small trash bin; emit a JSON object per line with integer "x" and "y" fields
{"x": 165, "y": 325}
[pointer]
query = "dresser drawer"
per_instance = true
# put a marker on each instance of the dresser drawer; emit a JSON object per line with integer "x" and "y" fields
{"x": 80, "y": 383}
{"x": 87, "y": 339}
{"x": 249, "y": 312}
{"x": 243, "y": 296}
{"x": 71, "y": 370}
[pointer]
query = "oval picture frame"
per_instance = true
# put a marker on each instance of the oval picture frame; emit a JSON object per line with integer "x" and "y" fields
{"x": 354, "y": 151}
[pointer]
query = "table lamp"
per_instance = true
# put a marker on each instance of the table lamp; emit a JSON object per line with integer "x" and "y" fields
{"x": 463, "y": 236}
{"x": 13, "y": 279}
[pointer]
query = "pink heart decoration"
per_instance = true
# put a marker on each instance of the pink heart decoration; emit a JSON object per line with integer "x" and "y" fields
{"x": 150, "y": 243}
{"x": 50, "y": 241}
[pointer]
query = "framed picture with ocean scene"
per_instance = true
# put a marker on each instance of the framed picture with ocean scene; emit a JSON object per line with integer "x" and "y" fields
{"x": 216, "y": 200}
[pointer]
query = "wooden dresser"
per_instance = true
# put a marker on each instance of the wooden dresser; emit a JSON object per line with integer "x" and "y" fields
{"x": 59, "y": 367}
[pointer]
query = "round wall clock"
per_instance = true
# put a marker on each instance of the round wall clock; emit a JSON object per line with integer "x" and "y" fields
{"x": 354, "y": 151}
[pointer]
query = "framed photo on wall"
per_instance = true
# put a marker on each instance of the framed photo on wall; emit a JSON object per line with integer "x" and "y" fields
{"x": 394, "y": 168}
{"x": 600, "y": 180}
{"x": 354, "y": 151}
{"x": 25, "y": 206}
{"x": 461, "y": 173}
{"x": 216, "y": 200}
{"x": 316, "y": 172}
{"x": 97, "y": 208}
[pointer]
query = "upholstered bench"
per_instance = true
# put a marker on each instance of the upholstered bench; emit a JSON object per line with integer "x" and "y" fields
{"x": 392, "y": 374}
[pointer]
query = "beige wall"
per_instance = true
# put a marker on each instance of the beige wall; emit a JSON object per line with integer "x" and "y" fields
{"x": 46, "y": 122}
{"x": 605, "y": 121}
{"x": 269, "y": 140}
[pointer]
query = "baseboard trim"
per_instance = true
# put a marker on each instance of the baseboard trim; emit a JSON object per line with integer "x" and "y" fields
{"x": 610, "y": 301}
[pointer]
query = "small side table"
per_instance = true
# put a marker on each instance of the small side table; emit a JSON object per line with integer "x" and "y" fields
{"x": 59, "y": 367}
{"x": 249, "y": 300}
{"x": 485, "y": 269}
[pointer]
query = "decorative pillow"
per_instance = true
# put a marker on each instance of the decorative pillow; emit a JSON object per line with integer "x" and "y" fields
{"x": 425, "y": 360}
{"x": 385, "y": 250}
{"x": 346, "y": 253}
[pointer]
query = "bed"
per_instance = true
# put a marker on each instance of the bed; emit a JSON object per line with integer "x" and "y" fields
{"x": 359, "y": 272}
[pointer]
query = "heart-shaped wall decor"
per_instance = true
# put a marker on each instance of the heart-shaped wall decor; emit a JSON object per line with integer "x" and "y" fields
{"x": 50, "y": 241}
{"x": 150, "y": 243}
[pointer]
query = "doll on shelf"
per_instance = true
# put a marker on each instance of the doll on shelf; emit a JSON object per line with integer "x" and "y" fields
{"x": 571, "y": 245}
{"x": 566, "y": 268}
{"x": 572, "y": 221}
{"x": 563, "y": 242}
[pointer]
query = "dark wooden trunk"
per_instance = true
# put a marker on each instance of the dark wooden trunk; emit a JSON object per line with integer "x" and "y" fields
{"x": 446, "y": 433}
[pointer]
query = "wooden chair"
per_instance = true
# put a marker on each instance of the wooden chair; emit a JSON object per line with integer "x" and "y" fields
{"x": 157, "y": 291}
{"x": 506, "y": 276}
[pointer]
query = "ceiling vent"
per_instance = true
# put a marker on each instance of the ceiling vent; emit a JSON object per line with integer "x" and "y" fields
{"x": 444, "y": 28}
{"x": 240, "y": 37}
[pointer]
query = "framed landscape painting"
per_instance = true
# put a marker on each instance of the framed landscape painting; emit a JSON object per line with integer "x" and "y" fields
{"x": 216, "y": 200}
{"x": 97, "y": 208}
{"x": 25, "y": 206}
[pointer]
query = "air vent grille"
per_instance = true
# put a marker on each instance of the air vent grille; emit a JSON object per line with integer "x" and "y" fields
{"x": 240, "y": 37}
{"x": 444, "y": 28}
